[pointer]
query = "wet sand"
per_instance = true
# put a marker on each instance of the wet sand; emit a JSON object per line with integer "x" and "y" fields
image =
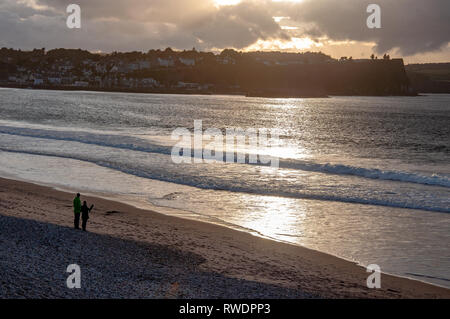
{"x": 134, "y": 253}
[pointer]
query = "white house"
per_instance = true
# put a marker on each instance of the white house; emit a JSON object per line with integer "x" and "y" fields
{"x": 226, "y": 60}
{"x": 132, "y": 67}
{"x": 81, "y": 83}
{"x": 187, "y": 85}
{"x": 149, "y": 82}
{"x": 165, "y": 62}
{"x": 189, "y": 62}
{"x": 67, "y": 67}
{"x": 54, "y": 80}
{"x": 144, "y": 64}
{"x": 99, "y": 68}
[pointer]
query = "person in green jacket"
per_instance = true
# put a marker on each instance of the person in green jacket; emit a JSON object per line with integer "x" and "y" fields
{"x": 77, "y": 211}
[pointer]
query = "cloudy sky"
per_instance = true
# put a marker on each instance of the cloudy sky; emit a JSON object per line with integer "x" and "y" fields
{"x": 418, "y": 30}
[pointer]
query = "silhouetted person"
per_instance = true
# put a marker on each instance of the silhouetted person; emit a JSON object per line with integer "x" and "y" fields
{"x": 85, "y": 214}
{"x": 77, "y": 211}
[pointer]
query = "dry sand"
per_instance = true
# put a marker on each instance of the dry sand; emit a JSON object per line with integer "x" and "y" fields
{"x": 133, "y": 253}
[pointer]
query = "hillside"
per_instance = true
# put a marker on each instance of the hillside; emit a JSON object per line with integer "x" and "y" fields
{"x": 278, "y": 74}
{"x": 429, "y": 77}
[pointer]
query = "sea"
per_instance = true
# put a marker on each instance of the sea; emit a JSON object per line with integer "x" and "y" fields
{"x": 366, "y": 179}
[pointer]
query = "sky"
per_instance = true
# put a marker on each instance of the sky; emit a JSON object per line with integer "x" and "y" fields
{"x": 417, "y": 30}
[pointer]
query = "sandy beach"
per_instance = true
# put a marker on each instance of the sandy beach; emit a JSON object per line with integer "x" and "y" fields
{"x": 133, "y": 253}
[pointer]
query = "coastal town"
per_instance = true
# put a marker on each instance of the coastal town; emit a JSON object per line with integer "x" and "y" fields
{"x": 191, "y": 71}
{"x": 82, "y": 69}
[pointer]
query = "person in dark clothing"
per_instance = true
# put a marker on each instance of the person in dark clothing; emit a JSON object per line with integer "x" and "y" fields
{"x": 85, "y": 214}
{"x": 77, "y": 211}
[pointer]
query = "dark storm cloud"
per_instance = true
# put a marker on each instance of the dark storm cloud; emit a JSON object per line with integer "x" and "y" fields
{"x": 238, "y": 26}
{"x": 137, "y": 24}
{"x": 411, "y": 26}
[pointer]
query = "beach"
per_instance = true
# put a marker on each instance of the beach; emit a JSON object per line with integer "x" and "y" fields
{"x": 133, "y": 253}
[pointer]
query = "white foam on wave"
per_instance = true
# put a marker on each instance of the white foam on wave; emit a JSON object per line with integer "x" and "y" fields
{"x": 192, "y": 176}
{"x": 138, "y": 144}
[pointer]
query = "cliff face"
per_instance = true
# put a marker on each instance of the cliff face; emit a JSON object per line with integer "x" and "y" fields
{"x": 376, "y": 77}
{"x": 368, "y": 77}
{"x": 372, "y": 77}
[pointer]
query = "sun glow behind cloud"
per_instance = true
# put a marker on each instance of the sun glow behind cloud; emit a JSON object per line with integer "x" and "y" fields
{"x": 235, "y": 2}
{"x": 226, "y": 2}
{"x": 294, "y": 44}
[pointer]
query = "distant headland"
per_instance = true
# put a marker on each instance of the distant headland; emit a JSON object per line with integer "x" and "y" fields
{"x": 265, "y": 74}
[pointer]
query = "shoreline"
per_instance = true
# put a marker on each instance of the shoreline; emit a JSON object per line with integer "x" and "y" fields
{"x": 188, "y": 92}
{"x": 175, "y": 213}
{"x": 234, "y": 254}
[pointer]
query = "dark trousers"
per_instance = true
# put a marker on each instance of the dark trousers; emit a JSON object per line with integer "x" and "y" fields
{"x": 83, "y": 224}
{"x": 76, "y": 221}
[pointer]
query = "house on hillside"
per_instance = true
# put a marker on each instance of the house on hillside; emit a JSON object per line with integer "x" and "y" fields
{"x": 226, "y": 60}
{"x": 81, "y": 84}
{"x": 54, "y": 81}
{"x": 188, "y": 62}
{"x": 166, "y": 62}
{"x": 144, "y": 65}
{"x": 149, "y": 82}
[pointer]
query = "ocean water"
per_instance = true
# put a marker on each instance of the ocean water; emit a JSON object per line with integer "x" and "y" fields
{"x": 363, "y": 178}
